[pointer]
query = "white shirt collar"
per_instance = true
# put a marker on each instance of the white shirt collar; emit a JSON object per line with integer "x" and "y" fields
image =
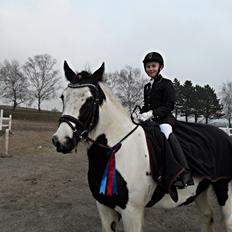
{"x": 152, "y": 81}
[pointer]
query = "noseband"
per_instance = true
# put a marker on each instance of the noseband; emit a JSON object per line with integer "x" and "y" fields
{"x": 87, "y": 126}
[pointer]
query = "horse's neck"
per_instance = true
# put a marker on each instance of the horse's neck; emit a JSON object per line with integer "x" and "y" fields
{"x": 113, "y": 121}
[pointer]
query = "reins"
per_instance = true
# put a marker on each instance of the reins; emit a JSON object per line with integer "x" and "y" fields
{"x": 105, "y": 146}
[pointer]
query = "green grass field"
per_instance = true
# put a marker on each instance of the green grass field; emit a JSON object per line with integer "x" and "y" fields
{"x": 30, "y": 114}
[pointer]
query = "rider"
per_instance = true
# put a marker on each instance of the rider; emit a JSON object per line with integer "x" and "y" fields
{"x": 159, "y": 100}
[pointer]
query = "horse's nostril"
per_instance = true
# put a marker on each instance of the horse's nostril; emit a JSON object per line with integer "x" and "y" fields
{"x": 55, "y": 140}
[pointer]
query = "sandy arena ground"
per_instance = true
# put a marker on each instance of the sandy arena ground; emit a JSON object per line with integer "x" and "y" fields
{"x": 43, "y": 191}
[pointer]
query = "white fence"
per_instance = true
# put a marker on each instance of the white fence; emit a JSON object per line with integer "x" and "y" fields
{"x": 227, "y": 130}
{"x": 5, "y": 124}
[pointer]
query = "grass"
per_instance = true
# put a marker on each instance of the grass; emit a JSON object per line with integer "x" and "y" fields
{"x": 29, "y": 114}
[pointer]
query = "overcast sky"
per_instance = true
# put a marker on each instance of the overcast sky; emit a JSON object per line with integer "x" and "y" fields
{"x": 194, "y": 36}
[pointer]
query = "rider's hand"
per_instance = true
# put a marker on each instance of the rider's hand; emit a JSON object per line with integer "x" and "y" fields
{"x": 145, "y": 116}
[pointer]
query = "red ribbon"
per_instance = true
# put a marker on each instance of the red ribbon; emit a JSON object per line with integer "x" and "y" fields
{"x": 110, "y": 175}
{"x": 111, "y": 170}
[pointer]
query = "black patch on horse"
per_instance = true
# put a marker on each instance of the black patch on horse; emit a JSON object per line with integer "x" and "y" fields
{"x": 84, "y": 78}
{"x": 158, "y": 194}
{"x": 88, "y": 115}
{"x": 202, "y": 186}
{"x": 221, "y": 189}
{"x": 98, "y": 158}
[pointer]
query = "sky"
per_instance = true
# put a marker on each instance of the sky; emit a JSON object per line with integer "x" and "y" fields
{"x": 194, "y": 36}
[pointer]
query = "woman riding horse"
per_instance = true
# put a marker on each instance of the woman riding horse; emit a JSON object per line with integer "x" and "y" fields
{"x": 159, "y": 100}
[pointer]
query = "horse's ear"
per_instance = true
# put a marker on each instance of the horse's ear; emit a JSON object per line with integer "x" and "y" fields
{"x": 69, "y": 74}
{"x": 97, "y": 76}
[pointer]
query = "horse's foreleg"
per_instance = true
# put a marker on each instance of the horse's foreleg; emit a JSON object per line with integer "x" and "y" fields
{"x": 109, "y": 218}
{"x": 206, "y": 212}
{"x": 133, "y": 219}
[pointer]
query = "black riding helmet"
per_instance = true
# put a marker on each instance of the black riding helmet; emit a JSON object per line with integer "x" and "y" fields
{"x": 153, "y": 57}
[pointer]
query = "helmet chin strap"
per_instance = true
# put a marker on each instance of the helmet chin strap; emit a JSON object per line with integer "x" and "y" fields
{"x": 159, "y": 70}
{"x": 158, "y": 73}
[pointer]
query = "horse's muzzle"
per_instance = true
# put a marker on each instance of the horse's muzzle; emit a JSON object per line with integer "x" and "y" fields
{"x": 66, "y": 147}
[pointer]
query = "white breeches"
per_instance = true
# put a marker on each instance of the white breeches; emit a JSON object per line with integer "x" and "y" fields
{"x": 166, "y": 129}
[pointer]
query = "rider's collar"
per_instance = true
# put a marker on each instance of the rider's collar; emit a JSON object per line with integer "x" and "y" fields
{"x": 151, "y": 81}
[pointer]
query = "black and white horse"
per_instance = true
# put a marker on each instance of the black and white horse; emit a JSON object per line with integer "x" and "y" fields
{"x": 91, "y": 114}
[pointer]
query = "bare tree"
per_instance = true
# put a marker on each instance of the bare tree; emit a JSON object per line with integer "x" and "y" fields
{"x": 14, "y": 85}
{"x": 127, "y": 84}
{"x": 43, "y": 77}
{"x": 226, "y": 99}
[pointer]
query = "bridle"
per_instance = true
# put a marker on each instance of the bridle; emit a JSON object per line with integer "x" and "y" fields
{"x": 87, "y": 126}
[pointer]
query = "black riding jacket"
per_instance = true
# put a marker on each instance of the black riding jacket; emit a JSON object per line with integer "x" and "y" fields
{"x": 160, "y": 98}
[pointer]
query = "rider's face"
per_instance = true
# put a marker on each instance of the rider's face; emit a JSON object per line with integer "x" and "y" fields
{"x": 152, "y": 69}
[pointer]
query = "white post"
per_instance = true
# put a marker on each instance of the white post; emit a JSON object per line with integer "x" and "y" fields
{"x": 1, "y": 119}
{"x": 10, "y": 122}
{"x": 7, "y": 142}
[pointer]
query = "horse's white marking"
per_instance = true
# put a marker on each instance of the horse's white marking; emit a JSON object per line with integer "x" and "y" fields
{"x": 63, "y": 131}
{"x": 73, "y": 100}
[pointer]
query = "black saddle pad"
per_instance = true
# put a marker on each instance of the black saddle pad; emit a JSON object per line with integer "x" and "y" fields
{"x": 207, "y": 148}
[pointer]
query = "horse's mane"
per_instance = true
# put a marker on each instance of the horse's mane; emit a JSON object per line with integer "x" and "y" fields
{"x": 114, "y": 99}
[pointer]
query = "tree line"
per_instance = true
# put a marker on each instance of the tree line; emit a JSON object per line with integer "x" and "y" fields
{"x": 196, "y": 101}
{"x": 38, "y": 80}
{"x": 191, "y": 101}
{"x": 202, "y": 101}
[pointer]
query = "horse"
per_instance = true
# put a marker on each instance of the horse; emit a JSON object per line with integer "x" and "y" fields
{"x": 93, "y": 115}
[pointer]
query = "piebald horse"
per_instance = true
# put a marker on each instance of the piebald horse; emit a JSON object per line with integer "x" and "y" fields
{"x": 92, "y": 115}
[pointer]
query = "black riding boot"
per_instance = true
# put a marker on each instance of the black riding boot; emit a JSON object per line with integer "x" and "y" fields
{"x": 185, "y": 178}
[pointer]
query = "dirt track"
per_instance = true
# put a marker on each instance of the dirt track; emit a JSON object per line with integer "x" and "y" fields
{"x": 43, "y": 191}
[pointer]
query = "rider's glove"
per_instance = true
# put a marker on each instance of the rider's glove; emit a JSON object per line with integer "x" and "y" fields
{"x": 145, "y": 116}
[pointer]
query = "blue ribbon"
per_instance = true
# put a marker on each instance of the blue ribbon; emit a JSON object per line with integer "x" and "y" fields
{"x": 104, "y": 180}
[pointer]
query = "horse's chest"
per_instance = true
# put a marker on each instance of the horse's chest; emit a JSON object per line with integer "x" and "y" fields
{"x": 98, "y": 158}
